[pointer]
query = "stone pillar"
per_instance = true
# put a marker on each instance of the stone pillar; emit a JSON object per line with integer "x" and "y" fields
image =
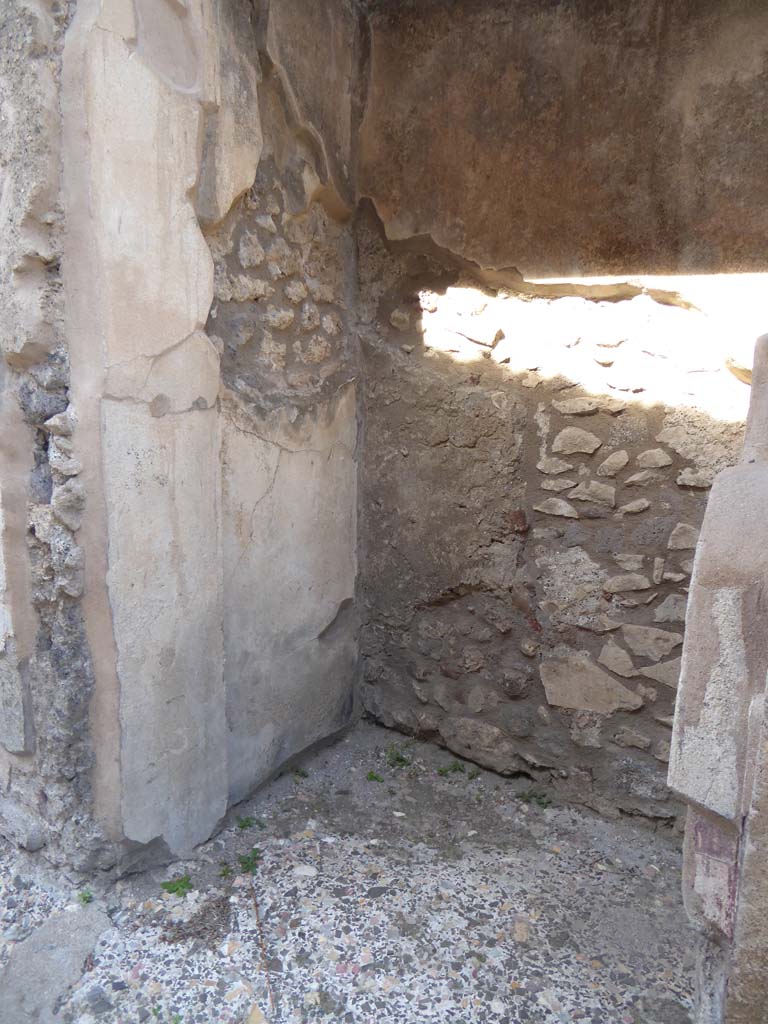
{"x": 145, "y": 376}
{"x": 719, "y": 757}
{"x": 217, "y": 554}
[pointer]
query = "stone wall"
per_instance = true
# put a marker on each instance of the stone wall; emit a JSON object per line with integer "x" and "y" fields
{"x": 46, "y": 674}
{"x": 190, "y": 309}
{"x": 535, "y": 474}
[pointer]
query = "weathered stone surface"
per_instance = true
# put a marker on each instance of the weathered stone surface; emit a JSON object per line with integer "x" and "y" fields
{"x": 633, "y": 507}
{"x": 551, "y": 465}
{"x": 668, "y": 672}
{"x": 642, "y": 479}
{"x": 631, "y": 738}
{"x": 616, "y": 659}
{"x": 586, "y": 728}
{"x": 615, "y": 462}
{"x": 68, "y": 503}
{"x": 572, "y": 586}
{"x": 684, "y": 537}
{"x": 56, "y": 951}
{"x": 557, "y": 507}
{"x": 573, "y": 439}
{"x": 654, "y": 458}
{"x": 717, "y": 757}
{"x": 710, "y": 448}
{"x": 585, "y": 406}
{"x": 629, "y": 561}
{"x": 558, "y": 484}
{"x": 575, "y": 682}
{"x": 601, "y": 494}
{"x": 628, "y": 581}
{"x": 694, "y": 478}
{"x": 671, "y": 609}
{"x": 647, "y": 642}
{"x": 482, "y": 742}
{"x": 400, "y": 319}
{"x": 250, "y": 251}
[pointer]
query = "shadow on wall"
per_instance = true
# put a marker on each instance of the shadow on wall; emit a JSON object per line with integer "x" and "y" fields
{"x": 535, "y": 474}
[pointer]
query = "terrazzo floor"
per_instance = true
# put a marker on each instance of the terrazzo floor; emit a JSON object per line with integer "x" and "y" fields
{"x": 393, "y": 883}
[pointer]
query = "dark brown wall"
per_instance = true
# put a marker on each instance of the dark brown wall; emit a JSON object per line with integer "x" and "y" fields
{"x": 573, "y": 137}
{"x": 315, "y": 46}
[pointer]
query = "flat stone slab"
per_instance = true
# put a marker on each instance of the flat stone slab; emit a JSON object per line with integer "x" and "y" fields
{"x": 43, "y": 967}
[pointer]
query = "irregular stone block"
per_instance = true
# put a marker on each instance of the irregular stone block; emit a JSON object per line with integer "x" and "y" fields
{"x": 633, "y": 507}
{"x": 480, "y": 697}
{"x": 577, "y": 683}
{"x": 630, "y": 738}
{"x": 654, "y": 458}
{"x": 668, "y": 672}
{"x": 400, "y": 319}
{"x": 699, "y": 479}
{"x": 281, "y": 319}
{"x": 68, "y": 503}
{"x": 648, "y": 642}
{"x": 585, "y": 406}
{"x": 553, "y": 466}
{"x": 684, "y": 537}
{"x": 250, "y": 251}
{"x": 641, "y": 479}
{"x": 59, "y": 948}
{"x": 673, "y": 577}
{"x": 573, "y": 439}
{"x": 573, "y": 592}
{"x": 557, "y": 484}
{"x": 671, "y": 609}
{"x": 629, "y": 562}
{"x": 62, "y": 424}
{"x": 482, "y": 742}
{"x": 585, "y": 729}
{"x": 627, "y": 581}
{"x": 295, "y": 292}
{"x": 60, "y": 457}
{"x": 615, "y": 462}
{"x": 600, "y": 494}
{"x": 616, "y": 659}
{"x": 557, "y": 507}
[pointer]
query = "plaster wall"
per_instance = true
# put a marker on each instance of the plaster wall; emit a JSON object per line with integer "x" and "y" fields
{"x": 206, "y": 609}
{"x": 186, "y": 579}
{"x": 282, "y": 318}
{"x": 571, "y": 138}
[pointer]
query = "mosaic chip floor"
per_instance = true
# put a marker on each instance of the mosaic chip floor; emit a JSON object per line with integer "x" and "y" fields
{"x": 385, "y": 882}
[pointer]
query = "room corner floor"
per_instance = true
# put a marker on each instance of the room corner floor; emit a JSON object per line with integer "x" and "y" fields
{"x": 393, "y": 884}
